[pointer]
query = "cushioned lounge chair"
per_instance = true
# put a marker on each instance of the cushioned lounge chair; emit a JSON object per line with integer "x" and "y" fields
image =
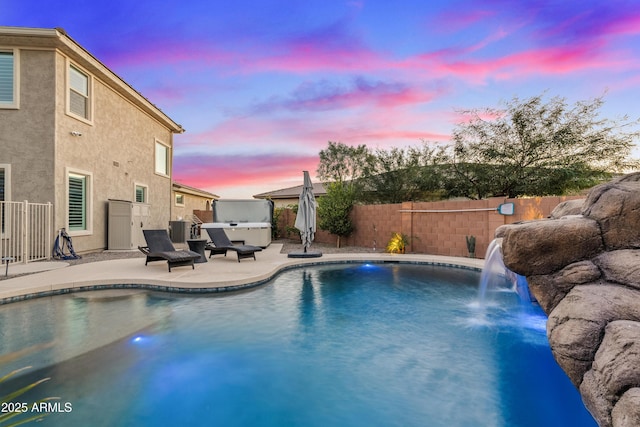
{"x": 220, "y": 243}
{"x": 160, "y": 248}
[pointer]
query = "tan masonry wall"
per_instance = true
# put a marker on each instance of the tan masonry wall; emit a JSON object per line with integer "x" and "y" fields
{"x": 437, "y": 233}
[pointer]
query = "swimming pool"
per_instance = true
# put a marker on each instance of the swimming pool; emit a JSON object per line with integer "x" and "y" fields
{"x": 335, "y": 345}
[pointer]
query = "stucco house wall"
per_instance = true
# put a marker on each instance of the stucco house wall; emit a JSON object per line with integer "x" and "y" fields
{"x": 188, "y": 201}
{"x": 27, "y": 133}
{"x": 114, "y": 147}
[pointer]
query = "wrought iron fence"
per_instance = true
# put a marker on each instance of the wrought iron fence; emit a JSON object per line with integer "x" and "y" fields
{"x": 25, "y": 231}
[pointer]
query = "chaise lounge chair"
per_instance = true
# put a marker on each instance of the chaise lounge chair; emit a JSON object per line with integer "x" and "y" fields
{"x": 160, "y": 248}
{"x": 220, "y": 244}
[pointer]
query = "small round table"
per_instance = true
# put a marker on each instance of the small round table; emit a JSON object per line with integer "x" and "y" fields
{"x": 198, "y": 245}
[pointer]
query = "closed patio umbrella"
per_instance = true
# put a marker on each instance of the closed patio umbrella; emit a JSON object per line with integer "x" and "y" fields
{"x": 306, "y": 219}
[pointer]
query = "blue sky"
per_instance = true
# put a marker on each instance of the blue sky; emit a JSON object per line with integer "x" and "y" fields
{"x": 261, "y": 86}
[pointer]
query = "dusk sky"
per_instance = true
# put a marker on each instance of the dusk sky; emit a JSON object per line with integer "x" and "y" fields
{"x": 261, "y": 86}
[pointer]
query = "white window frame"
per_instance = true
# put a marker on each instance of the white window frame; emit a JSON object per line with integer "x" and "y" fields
{"x": 89, "y": 118}
{"x": 135, "y": 192}
{"x": 167, "y": 169}
{"x": 15, "y": 103}
{"x": 88, "y": 230}
{"x": 179, "y": 195}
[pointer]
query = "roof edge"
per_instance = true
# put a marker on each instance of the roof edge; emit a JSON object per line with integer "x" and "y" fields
{"x": 61, "y": 40}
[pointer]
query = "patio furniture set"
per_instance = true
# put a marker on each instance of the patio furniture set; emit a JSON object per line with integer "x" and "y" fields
{"x": 160, "y": 248}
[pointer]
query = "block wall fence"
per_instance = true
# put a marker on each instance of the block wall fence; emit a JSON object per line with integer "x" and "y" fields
{"x": 435, "y": 233}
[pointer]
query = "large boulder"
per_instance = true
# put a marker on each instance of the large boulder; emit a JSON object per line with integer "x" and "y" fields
{"x": 621, "y": 266}
{"x": 626, "y": 413}
{"x": 546, "y": 246}
{"x": 616, "y": 207}
{"x": 576, "y": 326}
{"x": 614, "y": 369}
{"x": 583, "y": 267}
{"x": 567, "y": 208}
{"x": 549, "y": 289}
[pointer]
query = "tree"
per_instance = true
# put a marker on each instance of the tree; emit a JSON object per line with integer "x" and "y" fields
{"x": 342, "y": 163}
{"x": 334, "y": 209}
{"x": 402, "y": 174}
{"x": 538, "y": 148}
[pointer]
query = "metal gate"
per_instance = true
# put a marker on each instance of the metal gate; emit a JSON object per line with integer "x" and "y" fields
{"x": 25, "y": 231}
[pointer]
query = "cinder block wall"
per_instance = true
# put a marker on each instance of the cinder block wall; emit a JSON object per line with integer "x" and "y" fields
{"x": 436, "y": 233}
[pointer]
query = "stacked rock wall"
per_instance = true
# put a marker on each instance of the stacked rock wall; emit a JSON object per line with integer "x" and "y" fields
{"x": 583, "y": 267}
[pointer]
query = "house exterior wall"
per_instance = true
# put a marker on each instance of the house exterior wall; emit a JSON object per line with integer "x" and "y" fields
{"x": 191, "y": 203}
{"x": 116, "y": 148}
{"x": 285, "y": 203}
{"x": 27, "y": 140}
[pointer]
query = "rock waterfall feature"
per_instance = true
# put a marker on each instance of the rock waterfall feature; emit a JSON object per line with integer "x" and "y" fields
{"x": 583, "y": 266}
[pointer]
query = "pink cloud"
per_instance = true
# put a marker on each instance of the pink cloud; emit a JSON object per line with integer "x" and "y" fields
{"x": 404, "y": 135}
{"x": 464, "y": 117}
{"x": 629, "y": 23}
{"x": 211, "y": 171}
{"x": 546, "y": 61}
{"x": 324, "y": 95}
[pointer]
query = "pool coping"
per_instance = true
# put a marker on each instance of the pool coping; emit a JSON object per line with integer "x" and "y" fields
{"x": 220, "y": 274}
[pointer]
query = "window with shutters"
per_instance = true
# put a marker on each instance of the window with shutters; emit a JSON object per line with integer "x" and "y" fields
{"x": 9, "y": 60}
{"x": 79, "y": 202}
{"x": 141, "y": 193}
{"x": 79, "y": 101}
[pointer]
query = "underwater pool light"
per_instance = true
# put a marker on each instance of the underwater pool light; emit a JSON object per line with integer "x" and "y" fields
{"x": 369, "y": 266}
{"x": 140, "y": 339}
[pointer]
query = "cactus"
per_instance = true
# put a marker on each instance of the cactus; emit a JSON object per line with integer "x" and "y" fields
{"x": 471, "y": 246}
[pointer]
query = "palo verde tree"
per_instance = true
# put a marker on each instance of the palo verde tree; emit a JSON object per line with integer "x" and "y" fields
{"x": 385, "y": 175}
{"x": 533, "y": 147}
{"x": 342, "y": 163}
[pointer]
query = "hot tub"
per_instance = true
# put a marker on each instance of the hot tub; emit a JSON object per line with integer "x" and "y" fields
{"x": 247, "y": 221}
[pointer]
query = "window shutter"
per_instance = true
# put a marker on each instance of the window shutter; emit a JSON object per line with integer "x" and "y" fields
{"x": 79, "y": 93}
{"x": 77, "y": 202}
{"x": 79, "y": 81}
{"x": 6, "y": 77}
{"x": 78, "y": 104}
{"x": 140, "y": 198}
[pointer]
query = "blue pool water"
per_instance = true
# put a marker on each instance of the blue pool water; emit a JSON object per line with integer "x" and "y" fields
{"x": 345, "y": 345}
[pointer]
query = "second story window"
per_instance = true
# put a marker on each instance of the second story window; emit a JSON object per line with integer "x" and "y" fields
{"x": 162, "y": 159}
{"x": 79, "y": 93}
{"x": 8, "y": 79}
